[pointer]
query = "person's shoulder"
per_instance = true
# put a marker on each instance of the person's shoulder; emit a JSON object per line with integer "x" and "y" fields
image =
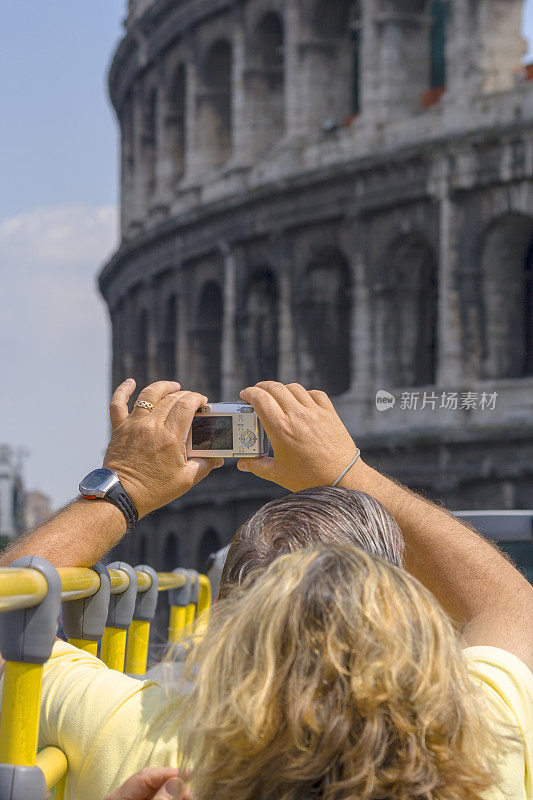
{"x": 495, "y": 664}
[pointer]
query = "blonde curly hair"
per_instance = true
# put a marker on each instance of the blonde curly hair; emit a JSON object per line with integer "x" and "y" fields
{"x": 334, "y": 675}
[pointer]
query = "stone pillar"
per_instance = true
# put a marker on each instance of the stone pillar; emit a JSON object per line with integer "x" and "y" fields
{"x": 183, "y": 367}
{"x": 403, "y": 45}
{"x": 369, "y": 76}
{"x": 449, "y": 352}
{"x": 484, "y": 48}
{"x": 288, "y": 370}
{"x": 164, "y": 161}
{"x": 153, "y": 308}
{"x": 193, "y": 164}
{"x": 293, "y": 91}
{"x": 230, "y": 373}
{"x": 362, "y": 353}
{"x": 137, "y": 205}
{"x": 241, "y": 133}
{"x": 128, "y": 326}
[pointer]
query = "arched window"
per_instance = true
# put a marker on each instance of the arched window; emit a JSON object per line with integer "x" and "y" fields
{"x": 141, "y": 335}
{"x": 325, "y": 314}
{"x": 438, "y": 44}
{"x": 265, "y": 82}
{"x": 149, "y": 141}
{"x": 176, "y": 121}
{"x": 171, "y": 552}
{"x": 406, "y": 314}
{"x": 207, "y": 342}
{"x": 215, "y": 106}
{"x": 336, "y": 65}
{"x": 167, "y": 345}
{"x": 506, "y": 318}
{"x": 260, "y": 339}
{"x": 209, "y": 543}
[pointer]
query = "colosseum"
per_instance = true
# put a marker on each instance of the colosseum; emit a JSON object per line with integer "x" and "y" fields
{"x": 336, "y": 192}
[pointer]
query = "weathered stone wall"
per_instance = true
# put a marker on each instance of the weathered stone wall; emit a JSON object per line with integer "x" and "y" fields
{"x": 269, "y": 231}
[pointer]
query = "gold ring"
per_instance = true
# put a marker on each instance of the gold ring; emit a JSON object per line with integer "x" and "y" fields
{"x": 144, "y": 404}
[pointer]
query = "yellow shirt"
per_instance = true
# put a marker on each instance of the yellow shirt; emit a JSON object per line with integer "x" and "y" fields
{"x": 507, "y": 685}
{"x": 110, "y": 725}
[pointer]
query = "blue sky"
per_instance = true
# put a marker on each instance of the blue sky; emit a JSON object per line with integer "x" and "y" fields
{"x": 59, "y": 170}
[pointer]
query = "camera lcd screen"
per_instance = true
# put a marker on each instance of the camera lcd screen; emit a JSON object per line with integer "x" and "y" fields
{"x": 212, "y": 433}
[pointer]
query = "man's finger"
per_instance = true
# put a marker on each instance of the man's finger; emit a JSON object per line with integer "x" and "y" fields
{"x": 153, "y": 394}
{"x": 265, "y": 406}
{"x": 283, "y": 396}
{"x": 321, "y": 399}
{"x": 118, "y": 407}
{"x": 301, "y": 394}
{"x": 181, "y": 412}
{"x": 201, "y": 467}
{"x": 264, "y": 467}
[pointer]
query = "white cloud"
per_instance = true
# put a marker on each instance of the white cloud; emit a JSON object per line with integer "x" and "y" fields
{"x": 54, "y": 336}
{"x": 59, "y": 237}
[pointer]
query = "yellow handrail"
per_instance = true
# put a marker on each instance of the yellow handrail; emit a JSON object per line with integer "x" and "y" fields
{"x": 21, "y": 588}
{"x": 170, "y": 580}
{"x": 78, "y": 582}
{"x": 26, "y": 587}
{"x": 53, "y": 762}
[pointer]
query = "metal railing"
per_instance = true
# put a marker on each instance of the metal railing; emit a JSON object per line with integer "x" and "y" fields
{"x": 108, "y": 607}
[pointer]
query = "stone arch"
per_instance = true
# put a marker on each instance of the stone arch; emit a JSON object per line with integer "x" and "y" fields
{"x": 332, "y": 60}
{"x": 265, "y": 81}
{"x": 406, "y": 314}
{"x": 438, "y": 14}
{"x": 171, "y": 552}
{"x": 149, "y": 139}
{"x": 325, "y": 321}
{"x": 209, "y": 543}
{"x": 176, "y": 121}
{"x": 261, "y": 326}
{"x": 506, "y": 294}
{"x": 167, "y": 349}
{"x": 207, "y": 342}
{"x": 215, "y": 105}
{"x": 141, "y": 350}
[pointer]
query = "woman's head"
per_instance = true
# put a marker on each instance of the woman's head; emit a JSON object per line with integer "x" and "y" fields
{"x": 334, "y": 675}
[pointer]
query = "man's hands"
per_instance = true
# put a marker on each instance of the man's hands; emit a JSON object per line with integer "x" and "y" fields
{"x": 311, "y": 445}
{"x": 148, "y": 448}
{"x": 153, "y": 783}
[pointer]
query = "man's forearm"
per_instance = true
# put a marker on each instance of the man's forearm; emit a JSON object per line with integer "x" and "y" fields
{"x": 467, "y": 574}
{"x": 78, "y": 536}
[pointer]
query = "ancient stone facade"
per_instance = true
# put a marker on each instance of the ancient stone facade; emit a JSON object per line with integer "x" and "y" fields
{"x": 339, "y": 193}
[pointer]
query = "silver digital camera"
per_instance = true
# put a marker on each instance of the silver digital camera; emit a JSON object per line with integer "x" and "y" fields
{"x": 227, "y": 430}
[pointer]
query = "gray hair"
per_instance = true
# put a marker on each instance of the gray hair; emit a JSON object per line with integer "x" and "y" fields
{"x": 322, "y": 515}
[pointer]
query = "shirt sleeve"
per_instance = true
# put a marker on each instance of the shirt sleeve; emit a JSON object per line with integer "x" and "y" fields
{"x": 507, "y": 684}
{"x": 79, "y": 696}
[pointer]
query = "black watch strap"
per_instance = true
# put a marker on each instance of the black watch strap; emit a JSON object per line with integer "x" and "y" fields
{"x": 119, "y": 496}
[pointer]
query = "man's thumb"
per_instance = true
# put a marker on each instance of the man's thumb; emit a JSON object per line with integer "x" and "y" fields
{"x": 174, "y": 789}
{"x": 262, "y": 467}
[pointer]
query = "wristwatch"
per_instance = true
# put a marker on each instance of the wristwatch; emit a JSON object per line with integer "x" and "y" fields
{"x": 104, "y": 484}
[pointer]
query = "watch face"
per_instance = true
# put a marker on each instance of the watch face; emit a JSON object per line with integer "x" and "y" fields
{"x": 95, "y": 479}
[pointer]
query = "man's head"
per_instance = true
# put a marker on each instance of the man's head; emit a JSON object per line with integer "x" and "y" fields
{"x": 322, "y": 515}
